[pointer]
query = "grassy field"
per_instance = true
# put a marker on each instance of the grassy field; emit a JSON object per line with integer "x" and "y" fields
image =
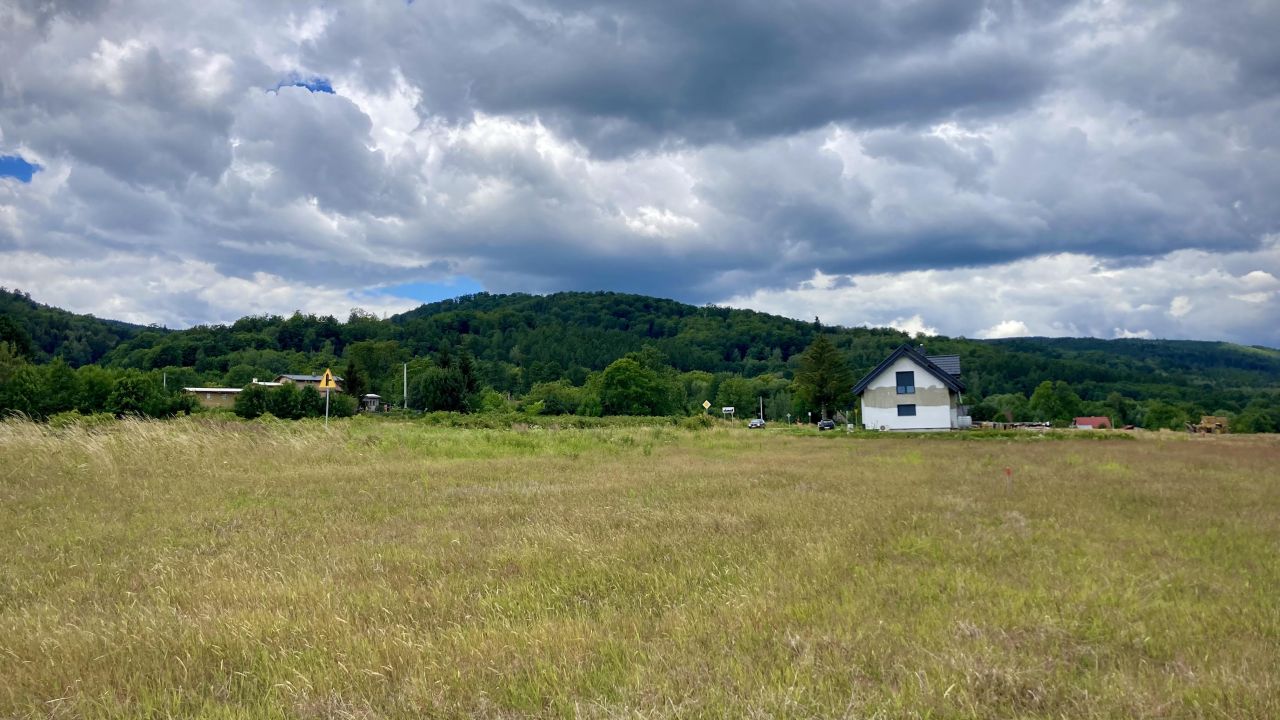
{"x": 386, "y": 569}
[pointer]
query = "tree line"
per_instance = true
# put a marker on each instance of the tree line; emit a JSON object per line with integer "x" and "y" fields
{"x": 609, "y": 353}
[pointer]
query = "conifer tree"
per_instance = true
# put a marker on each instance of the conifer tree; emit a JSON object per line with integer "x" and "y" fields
{"x": 824, "y": 377}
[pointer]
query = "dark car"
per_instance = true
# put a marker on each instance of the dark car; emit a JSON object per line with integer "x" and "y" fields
{"x": 755, "y": 423}
{"x": 826, "y": 425}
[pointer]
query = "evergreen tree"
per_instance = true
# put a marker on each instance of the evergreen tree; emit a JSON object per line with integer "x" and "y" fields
{"x": 824, "y": 379}
{"x": 353, "y": 382}
{"x": 453, "y": 388}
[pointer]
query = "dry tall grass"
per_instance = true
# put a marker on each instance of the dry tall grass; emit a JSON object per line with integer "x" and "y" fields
{"x": 217, "y": 570}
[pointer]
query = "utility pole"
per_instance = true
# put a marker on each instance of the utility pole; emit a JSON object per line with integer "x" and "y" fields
{"x": 406, "y": 386}
{"x": 761, "y": 407}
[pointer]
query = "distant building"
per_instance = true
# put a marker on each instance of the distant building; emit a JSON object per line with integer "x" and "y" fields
{"x": 371, "y": 403}
{"x": 909, "y": 391}
{"x": 214, "y": 397}
{"x": 312, "y": 380}
{"x": 220, "y": 397}
{"x": 1092, "y": 423}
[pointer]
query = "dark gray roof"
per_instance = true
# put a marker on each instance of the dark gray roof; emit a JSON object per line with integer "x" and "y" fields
{"x": 949, "y": 363}
{"x": 930, "y": 366}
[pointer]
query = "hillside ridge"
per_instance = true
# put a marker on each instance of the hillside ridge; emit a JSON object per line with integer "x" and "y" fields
{"x": 520, "y": 341}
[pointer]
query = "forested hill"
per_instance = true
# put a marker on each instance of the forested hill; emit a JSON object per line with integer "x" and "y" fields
{"x": 42, "y": 332}
{"x": 518, "y": 341}
{"x": 547, "y": 335}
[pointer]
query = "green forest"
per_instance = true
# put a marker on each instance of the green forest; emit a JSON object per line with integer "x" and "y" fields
{"x": 602, "y": 354}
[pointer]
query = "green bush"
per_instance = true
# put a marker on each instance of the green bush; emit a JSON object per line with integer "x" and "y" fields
{"x": 73, "y": 418}
{"x": 341, "y": 405}
{"x": 698, "y": 422}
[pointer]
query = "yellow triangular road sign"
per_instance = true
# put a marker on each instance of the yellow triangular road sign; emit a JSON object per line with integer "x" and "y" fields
{"x": 327, "y": 380}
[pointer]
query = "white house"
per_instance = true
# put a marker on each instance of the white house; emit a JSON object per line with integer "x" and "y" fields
{"x": 909, "y": 391}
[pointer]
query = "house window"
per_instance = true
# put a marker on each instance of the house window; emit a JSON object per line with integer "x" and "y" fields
{"x": 906, "y": 410}
{"x": 907, "y": 383}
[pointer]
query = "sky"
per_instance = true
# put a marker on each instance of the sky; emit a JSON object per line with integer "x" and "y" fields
{"x": 978, "y": 168}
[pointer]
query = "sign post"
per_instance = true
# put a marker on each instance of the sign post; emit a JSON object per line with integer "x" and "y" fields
{"x": 326, "y": 382}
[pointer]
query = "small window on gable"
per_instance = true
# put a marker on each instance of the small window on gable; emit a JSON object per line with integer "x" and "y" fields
{"x": 906, "y": 410}
{"x": 907, "y": 382}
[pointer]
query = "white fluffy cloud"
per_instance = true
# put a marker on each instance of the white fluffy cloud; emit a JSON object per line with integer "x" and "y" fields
{"x": 1006, "y": 329}
{"x": 1185, "y": 294}
{"x": 155, "y": 290}
{"x": 979, "y": 167}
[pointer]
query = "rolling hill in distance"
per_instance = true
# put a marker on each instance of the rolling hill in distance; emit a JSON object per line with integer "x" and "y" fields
{"x": 520, "y": 341}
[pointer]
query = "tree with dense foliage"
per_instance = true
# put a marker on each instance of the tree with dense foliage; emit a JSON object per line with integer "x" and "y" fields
{"x": 823, "y": 379}
{"x": 285, "y": 402}
{"x": 450, "y": 386}
{"x": 629, "y": 388}
{"x": 1257, "y": 418}
{"x": 1164, "y": 415}
{"x": 353, "y": 381}
{"x": 251, "y": 401}
{"x": 1054, "y": 402}
{"x": 340, "y": 405}
{"x": 555, "y": 398}
{"x": 16, "y": 337}
{"x": 310, "y": 402}
{"x": 1009, "y": 407}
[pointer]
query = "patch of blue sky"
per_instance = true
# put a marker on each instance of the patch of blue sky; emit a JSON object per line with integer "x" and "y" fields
{"x": 15, "y": 166}
{"x": 427, "y": 292}
{"x": 314, "y": 83}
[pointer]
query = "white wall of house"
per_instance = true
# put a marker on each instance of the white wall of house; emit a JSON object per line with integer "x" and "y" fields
{"x": 935, "y": 403}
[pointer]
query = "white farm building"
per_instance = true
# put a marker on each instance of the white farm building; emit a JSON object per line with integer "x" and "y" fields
{"x": 909, "y": 391}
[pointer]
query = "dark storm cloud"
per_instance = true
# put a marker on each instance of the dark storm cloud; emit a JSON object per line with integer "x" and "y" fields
{"x": 246, "y": 157}
{"x": 627, "y": 76}
{"x": 136, "y": 112}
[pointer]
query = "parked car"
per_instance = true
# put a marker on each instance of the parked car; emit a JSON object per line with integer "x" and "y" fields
{"x": 826, "y": 425}
{"x": 755, "y": 423}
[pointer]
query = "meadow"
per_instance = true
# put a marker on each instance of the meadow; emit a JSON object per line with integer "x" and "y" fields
{"x": 210, "y": 568}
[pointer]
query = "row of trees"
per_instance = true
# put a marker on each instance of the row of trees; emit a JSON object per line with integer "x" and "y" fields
{"x": 640, "y": 383}
{"x": 289, "y": 402}
{"x": 562, "y": 352}
{"x": 1057, "y": 403}
{"x": 515, "y": 343}
{"x": 41, "y": 391}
